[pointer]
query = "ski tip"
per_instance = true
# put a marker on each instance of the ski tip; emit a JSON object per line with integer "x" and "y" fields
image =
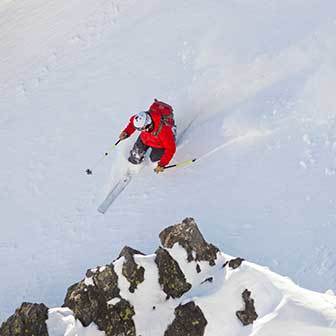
{"x": 114, "y": 193}
{"x": 102, "y": 211}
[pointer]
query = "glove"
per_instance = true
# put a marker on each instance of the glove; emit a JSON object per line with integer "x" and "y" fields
{"x": 123, "y": 135}
{"x": 159, "y": 169}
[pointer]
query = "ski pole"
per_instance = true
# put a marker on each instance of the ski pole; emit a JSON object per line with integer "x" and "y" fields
{"x": 181, "y": 164}
{"x": 89, "y": 171}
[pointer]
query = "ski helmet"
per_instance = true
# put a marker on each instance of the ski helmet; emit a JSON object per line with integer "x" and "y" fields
{"x": 142, "y": 120}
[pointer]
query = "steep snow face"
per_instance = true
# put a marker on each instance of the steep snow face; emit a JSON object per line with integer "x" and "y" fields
{"x": 258, "y": 79}
{"x": 282, "y": 307}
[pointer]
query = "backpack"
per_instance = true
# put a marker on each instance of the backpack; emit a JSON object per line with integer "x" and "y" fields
{"x": 166, "y": 112}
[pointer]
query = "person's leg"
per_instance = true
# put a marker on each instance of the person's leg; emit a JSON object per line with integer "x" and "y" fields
{"x": 156, "y": 154}
{"x": 138, "y": 152}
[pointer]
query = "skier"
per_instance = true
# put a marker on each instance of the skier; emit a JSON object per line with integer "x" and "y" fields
{"x": 157, "y": 127}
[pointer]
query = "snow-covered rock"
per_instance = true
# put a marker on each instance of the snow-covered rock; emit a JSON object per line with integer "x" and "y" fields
{"x": 99, "y": 302}
{"x": 173, "y": 297}
{"x": 189, "y": 237}
{"x": 131, "y": 271}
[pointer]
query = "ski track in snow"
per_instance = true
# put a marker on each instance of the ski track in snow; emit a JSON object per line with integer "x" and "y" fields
{"x": 261, "y": 80}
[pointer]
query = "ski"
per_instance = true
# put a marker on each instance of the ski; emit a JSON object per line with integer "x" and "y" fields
{"x": 115, "y": 192}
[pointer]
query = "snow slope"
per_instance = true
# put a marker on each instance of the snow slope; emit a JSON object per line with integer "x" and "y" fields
{"x": 258, "y": 77}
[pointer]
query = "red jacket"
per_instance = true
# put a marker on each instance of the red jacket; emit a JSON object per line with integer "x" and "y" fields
{"x": 164, "y": 139}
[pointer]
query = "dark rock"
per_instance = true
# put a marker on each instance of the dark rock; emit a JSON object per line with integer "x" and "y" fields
{"x": 28, "y": 320}
{"x": 235, "y": 263}
{"x": 189, "y": 321}
{"x": 90, "y": 303}
{"x": 171, "y": 278}
{"x": 117, "y": 320}
{"x": 106, "y": 280}
{"x": 226, "y": 262}
{"x": 248, "y": 315}
{"x": 131, "y": 271}
{"x": 87, "y": 302}
{"x": 207, "y": 280}
{"x": 198, "y": 268}
{"x": 90, "y": 273}
{"x": 190, "y": 238}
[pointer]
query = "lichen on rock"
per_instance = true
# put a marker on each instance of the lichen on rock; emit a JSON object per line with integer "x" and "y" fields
{"x": 89, "y": 302}
{"x": 189, "y": 321}
{"x": 134, "y": 273}
{"x": 171, "y": 277}
{"x": 190, "y": 238}
{"x": 117, "y": 319}
{"x": 86, "y": 302}
{"x": 28, "y": 320}
{"x": 106, "y": 280}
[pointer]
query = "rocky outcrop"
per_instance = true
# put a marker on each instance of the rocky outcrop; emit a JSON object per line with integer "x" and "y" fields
{"x": 130, "y": 270}
{"x": 248, "y": 315}
{"x": 234, "y": 263}
{"x": 190, "y": 238}
{"x": 98, "y": 299}
{"x": 189, "y": 321}
{"x": 106, "y": 281}
{"x": 90, "y": 300}
{"x": 85, "y": 301}
{"x": 28, "y": 320}
{"x": 171, "y": 278}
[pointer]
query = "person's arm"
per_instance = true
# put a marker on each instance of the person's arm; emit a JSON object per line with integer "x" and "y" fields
{"x": 128, "y": 131}
{"x": 168, "y": 141}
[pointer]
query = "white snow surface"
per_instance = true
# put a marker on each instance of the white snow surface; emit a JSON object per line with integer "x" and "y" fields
{"x": 258, "y": 79}
{"x": 61, "y": 322}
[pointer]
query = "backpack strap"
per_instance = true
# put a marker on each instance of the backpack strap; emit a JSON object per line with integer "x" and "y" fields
{"x": 163, "y": 122}
{"x": 158, "y": 131}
